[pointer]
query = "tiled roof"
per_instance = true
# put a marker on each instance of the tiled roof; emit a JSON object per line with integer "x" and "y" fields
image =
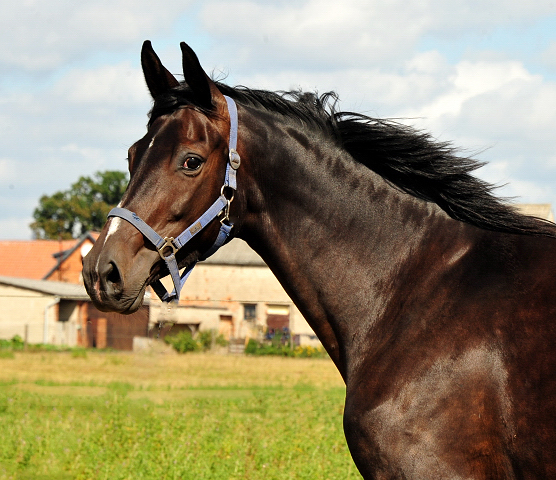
{"x": 35, "y": 258}
{"x": 30, "y": 258}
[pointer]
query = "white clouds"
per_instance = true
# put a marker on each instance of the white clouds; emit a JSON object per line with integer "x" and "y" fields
{"x": 326, "y": 35}
{"x": 514, "y": 185}
{"x": 476, "y": 83}
{"x": 548, "y": 56}
{"x": 503, "y": 109}
{"x": 118, "y": 84}
{"x": 82, "y": 123}
{"x": 495, "y": 107}
{"x": 42, "y": 36}
{"x": 79, "y": 116}
{"x": 8, "y": 170}
{"x": 314, "y": 33}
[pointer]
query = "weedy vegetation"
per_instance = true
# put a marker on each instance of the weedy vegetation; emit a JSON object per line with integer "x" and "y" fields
{"x": 113, "y": 415}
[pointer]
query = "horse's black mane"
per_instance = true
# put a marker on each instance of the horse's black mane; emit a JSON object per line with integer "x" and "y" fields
{"x": 408, "y": 159}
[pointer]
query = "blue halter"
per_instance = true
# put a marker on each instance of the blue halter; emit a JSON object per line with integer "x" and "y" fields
{"x": 219, "y": 209}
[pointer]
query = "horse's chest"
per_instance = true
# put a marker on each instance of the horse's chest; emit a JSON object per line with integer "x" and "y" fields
{"x": 450, "y": 422}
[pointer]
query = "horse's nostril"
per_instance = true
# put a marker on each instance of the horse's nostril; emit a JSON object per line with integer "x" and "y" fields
{"x": 113, "y": 275}
{"x": 111, "y": 279}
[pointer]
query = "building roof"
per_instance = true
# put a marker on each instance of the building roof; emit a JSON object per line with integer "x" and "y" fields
{"x": 236, "y": 252}
{"x": 540, "y": 210}
{"x": 66, "y": 291}
{"x": 37, "y": 259}
{"x": 30, "y": 258}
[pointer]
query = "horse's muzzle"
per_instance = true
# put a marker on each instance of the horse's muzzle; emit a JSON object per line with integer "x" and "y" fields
{"x": 105, "y": 284}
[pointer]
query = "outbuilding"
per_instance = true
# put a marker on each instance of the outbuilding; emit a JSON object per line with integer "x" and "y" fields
{"x": 59, "y": 313}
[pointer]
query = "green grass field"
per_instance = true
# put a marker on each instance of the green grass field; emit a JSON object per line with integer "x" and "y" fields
{"x": 197, "y": 416}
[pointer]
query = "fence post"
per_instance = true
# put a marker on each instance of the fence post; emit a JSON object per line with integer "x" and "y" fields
{"x": 101, "y": 332}
{"x": 26, "y": 337}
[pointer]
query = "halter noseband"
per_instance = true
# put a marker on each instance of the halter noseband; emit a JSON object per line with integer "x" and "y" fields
{"x": 219, "y": 209}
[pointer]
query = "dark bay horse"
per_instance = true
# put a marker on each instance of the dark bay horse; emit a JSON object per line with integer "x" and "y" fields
{"x": 435, "y": 300}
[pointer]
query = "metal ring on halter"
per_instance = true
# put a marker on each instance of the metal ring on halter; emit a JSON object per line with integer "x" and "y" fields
{"x": 223, "y": 189}
{"x": 168, "y": 242}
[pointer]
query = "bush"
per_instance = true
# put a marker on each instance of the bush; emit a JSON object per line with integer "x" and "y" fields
{"x": 182, "y": 342}
{"x": 221, "y": 340}
{"x": 255, "y": 348}
{"x": 310, "y": 352}
{"x": 208, "y": 338}
{"x": 251, "y": 347}
{"x": 205, "y": 339}
{"x": 16, "y": 343}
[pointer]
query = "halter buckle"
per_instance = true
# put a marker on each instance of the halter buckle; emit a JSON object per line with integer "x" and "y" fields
{"x": 235, "y": 159}
{"x": 168, "y": 242}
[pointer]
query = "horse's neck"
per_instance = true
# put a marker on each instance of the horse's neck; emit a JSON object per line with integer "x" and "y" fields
{"x": 336, "y": 236}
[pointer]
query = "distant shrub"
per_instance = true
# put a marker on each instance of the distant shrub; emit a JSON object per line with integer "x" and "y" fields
{"x": 208, "y": 338}
{"x": 42, "y": 347}
{"x": 310, "y": 352}
{"x": 221, "y": 340}
{"x": 205, "y": 339}
{"x": 256, "y": 348}
{"x": 16, "y": 343}
{"x": 182, "y": 342}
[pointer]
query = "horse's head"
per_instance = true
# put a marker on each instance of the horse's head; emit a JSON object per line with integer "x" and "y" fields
{"x": 177, "y": 172}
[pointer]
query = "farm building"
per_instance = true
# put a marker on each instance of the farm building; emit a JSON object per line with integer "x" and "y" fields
{"x": 540, "y": 210}
{"x": 233, "y": 292}
{"x": 42, "y": 298}
{"x": 59, "y": 313}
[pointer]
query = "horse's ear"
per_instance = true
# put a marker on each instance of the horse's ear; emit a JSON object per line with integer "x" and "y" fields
{"x": 202, "y": 86}
{"x": 159, "y": 79}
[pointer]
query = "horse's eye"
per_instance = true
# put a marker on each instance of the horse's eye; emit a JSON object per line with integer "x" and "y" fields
{"x": 192, "y": 163}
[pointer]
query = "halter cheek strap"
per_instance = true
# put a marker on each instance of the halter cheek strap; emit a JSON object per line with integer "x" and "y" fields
{"x": 167, "y": 247}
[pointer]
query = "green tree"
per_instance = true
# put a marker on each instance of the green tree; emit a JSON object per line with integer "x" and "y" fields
{"x": 82, "y": 208}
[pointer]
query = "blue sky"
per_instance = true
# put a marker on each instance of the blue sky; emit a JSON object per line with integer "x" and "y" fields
{"x": 479, "y": 74}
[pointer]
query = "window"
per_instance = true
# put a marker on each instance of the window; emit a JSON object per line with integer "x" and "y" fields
{"x": 249, "y": 312}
